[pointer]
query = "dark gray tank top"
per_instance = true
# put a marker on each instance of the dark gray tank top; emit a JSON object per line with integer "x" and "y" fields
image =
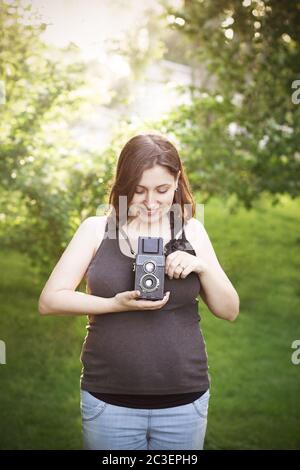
{"x": 141, "y": 353}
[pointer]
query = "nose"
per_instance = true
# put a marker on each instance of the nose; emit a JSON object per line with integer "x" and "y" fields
{"x": 151, "y": 203}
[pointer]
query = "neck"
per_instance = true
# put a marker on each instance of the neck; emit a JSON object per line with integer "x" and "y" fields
{"x": 148, "y": 228}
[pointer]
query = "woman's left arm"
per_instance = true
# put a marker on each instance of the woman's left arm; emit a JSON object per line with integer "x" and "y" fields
{"x": 217, "y": 291}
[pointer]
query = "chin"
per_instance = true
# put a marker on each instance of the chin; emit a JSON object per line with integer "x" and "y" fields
{"x": 150, "y": 217}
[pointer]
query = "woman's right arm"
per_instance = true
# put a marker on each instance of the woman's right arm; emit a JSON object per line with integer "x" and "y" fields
{"x": 67, "y": 302}
{"x": 59, "y": 296}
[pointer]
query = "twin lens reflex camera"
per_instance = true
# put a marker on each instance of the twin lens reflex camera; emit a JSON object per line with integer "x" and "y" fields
{"x": 149, "y": 268}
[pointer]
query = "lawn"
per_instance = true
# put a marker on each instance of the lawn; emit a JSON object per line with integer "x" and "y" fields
{"x": 254, "y": 401}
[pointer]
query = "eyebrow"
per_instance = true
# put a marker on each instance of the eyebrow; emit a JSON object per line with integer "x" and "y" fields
{"x": 166, "y": 184}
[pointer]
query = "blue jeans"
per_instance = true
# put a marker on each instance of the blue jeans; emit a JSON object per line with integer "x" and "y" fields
{"x": 113, "y": 427}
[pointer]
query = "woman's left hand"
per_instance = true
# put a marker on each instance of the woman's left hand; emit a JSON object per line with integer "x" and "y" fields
{"x": 181, "y": 264}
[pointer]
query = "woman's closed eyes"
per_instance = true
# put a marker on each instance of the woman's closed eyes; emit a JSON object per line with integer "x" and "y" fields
{"x": 160, "y": 192}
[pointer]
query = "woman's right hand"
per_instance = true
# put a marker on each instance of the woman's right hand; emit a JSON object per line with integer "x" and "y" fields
{"x": 127, "y": 301}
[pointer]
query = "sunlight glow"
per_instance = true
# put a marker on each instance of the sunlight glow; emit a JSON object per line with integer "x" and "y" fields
{"x": 119, "y": 66}
{"x": 229, "y": 33}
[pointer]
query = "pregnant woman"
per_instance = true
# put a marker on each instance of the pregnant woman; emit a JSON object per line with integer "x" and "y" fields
{"x": 145, "y": 382}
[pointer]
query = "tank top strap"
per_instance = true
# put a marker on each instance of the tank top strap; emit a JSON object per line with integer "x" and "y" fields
{"x": 177, "y": 232}
{"x": 179, "y": 239}
{"x": 176, "y": 229}
{"x": 110, "y": 228}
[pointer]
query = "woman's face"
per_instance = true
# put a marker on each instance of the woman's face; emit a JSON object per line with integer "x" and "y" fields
{"x": 153, "y": 195}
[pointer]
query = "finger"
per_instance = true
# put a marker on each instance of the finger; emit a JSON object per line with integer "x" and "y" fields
{"x": 154, "y": 304}
{"x": 177, "y": 272}
{"x": 164, "y": 300}
{"x": 186, "y": 272}
{"x": 170, "y": 258}
{"x": 174, "y": 271}
{"x": 161, "y": 301}
{"x": 175, "y": 265}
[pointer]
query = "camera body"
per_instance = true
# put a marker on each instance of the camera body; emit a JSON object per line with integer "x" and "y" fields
{"x": 149, "y": 268}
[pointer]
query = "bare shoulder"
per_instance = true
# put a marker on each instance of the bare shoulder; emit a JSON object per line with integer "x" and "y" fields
{"x": 74, "y": 261}
{"x": 195, "y": 231}
{"x": 94, "y": 223}
{"x": 199, "y": 239}
{"x": 97, "y": 226}
{"x": 195, "y": 223}
{"x": 94, "y": 227}
{"x": 96, "y": 220}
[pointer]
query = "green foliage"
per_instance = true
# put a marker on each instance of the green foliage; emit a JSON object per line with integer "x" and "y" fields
{"x": 47, "y": 186}
{"x": 140, "y": 46}
{"x": 240, "y": 131}
{"x": 254, "y": 388}
{"x": 38, "y": 82}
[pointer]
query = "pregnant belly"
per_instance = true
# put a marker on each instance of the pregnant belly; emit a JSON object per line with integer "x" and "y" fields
{"x": 168, "y": 353}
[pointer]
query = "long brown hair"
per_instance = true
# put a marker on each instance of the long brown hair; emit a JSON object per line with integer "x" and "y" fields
{"x": 140, "y": 153}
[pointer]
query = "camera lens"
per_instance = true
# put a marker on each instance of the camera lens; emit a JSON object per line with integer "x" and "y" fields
{"x": 149, "y": 267}
{"x": 149, "y": 282}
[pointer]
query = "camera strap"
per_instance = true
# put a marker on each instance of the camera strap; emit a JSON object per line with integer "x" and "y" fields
{"x": 172, "y": 225}
{"x": 126, "y": 238}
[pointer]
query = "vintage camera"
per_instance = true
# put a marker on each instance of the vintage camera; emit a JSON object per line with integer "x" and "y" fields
{"x": 149, "y": 268}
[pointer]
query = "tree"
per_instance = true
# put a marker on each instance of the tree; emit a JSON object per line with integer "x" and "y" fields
{"x": 47, "y": 184}
{"x": 239, "y": 134}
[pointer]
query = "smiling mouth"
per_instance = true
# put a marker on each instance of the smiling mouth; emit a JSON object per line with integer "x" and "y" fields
{"x": 152, "y": 212}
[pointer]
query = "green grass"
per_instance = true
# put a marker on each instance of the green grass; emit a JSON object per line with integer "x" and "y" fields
{"x": 255, "y": 401}
{"x": 39, "y": 407}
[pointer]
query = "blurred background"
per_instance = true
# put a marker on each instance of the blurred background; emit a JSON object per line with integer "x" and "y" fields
{"x": 221, "y": 79}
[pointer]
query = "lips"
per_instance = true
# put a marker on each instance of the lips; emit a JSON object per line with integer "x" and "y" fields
{"x": 151, "y": 212}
